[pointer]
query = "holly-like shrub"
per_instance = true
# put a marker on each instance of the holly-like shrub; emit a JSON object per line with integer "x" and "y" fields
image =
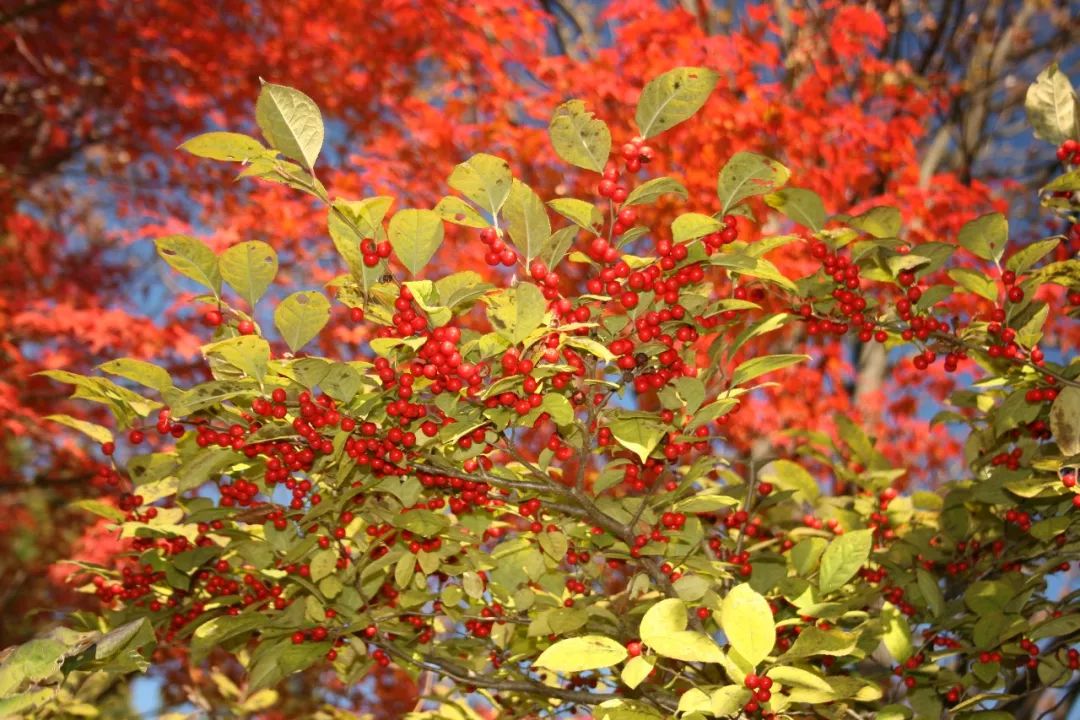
{"x": 521, "y": 490}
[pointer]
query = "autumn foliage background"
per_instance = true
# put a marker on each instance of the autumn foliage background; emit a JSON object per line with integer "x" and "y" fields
{"x": 917, "y": 105}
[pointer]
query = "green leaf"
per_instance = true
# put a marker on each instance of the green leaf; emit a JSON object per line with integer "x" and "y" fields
{"x": 249, "y": 268}
{"x": 802, "y": 206}
{"x": 247, "y": 353}
{"x": 484, "y": 179}
{"x": 461, "y": 288}
{"x": 805, "y": 555}
{"x": 516, "y": 312}
{"x": 323, "y": 563}
{"x": 455, "y": 210}
{"x": 559, "y": 408}
{"x": 1022, "y": 260}
{"x": 758, "y": 366}
{"x": 415, "y": 235}
{"x": 579, "y": 137}
{"x": 1062, "y": 626}
{"x": 787, "y": 475}
{"x": 216, "y": 631}
{"x": 882, "y": 221}
{"x": 638, "y": 435}
{"x": 228, "y": 146}
{"x": 691, "y": 391}
{"x": 747, "y": 174}
{"x": 38, "y": 659}
{"x": 363, "y": 216}
{"x": 665, "y": 617}
{"x": 975, "y": 282}
{"x": 843, "y": 558}
{"x": 815, "y": 641}
{"x": 93, "y": 431}
{"x": 140, "y": 371}
{"x": 123, "y": 640}
{"x": 985, "y": 236}
{"x": 690, "y": 226}
{"x": 931, "y": 592}
{"x": 692, "y": 588}
{"x": 349, "y": 222}
{"x": 728, "y": 700}
{"x": 282, "y": 659}
{"x": 576, "y": 654}
{"x": 590, "y": 346}
{"x": 897, "y": 635}
{"x": 1065, "y": 421}
{"x": 1031, "y": 332}
{"x": 191, "y": 258}
{"x": 748, "y": 623}
{"x": 1051, "y": 106}
{"x": 636, "y": 670}
{"x": 300, "y": 317}
{"x": 694, "y": 701}
{"x": 793, "y": 677}
{"x": 581, "y": 213}
{"x": 651, "y": 190}
{"x": 527, "y": 220}
{"x": 673, "y": 97}
{"x": 663, "y": 630}
{"x": 203, "y": 466}
{"x": 706, "y": 502}
{"x": 1069, "y": 182}
{"x": 290, "y": 121}
{"x": 558, "y": 245}
{"x": 101, "y": 509}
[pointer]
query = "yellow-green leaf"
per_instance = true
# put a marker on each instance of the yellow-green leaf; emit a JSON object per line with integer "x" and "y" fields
{"x": 690, "y": 226}
{"x": 747, "y": 174}
{"x": 484, "y": 179}
{"x": 651, "y": 190}
{"x": 191, "y": 258}
{"x": 291, "y": 123}
{"x": 636, "y": 670}
{"x": 579, "y": 137}
{"x": 748, "y": 623}
{"x": 802, "y": 206}
{"x": 843, "y": 558}
{"x": 415, "y": 235}
{"x": 638, "y": 435}
{"x": 93, "y": 431}
{"x": 249, "y": 268}
{"x": 577, "y": 654}
{"x": 300, "y": 317}
{"x": 1065, "y": 421}
{"x": 758, "y": 366}
{"x": 1051, "y": 106}
{"x": 516, "y": 312}
{"x": 985, "y": 236}
{"x": 673, "y": 97}
{"x": 228, "y": 146}
{"x": 527, "y": 220}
